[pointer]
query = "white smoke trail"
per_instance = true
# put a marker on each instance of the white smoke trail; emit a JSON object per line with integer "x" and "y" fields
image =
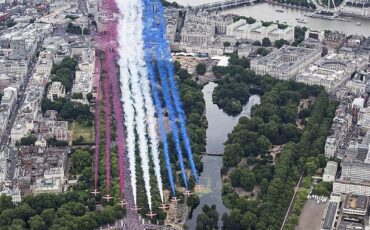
{"x": 127, "y": 101}
{"x": 150, "y": 110}
{"x": 129, "y": 46}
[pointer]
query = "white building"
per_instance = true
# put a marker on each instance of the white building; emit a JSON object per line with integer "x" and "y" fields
{"x": 56, "y": 90}
{"x": 330, "y": 171}
{"x": 54, "y": 173}
{"x": 285, "y": 63}
{"x": 51, "y": 185}
{"x": 21, "y": 128}
{"x": 330, "y": 146}
{"x": 340, "y": 186}
{"x": 356, "y": 87}
{"x": 10, "y": 97}
{"x": 332, "y": 72}
{"x": 257, "y": 32}
{"x": 45, "y": 63}
{"x": 13, "y": 67}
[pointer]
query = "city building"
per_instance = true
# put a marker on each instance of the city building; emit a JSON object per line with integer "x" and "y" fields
{"x": 3, "y": 167}
{"x": 18, "y": 46}
{"x": 356, "y": 205}
{"x": 330, "y": 216}
{"x": 330, "y": 146}
{"x": 342, "y": 123}
{"x": 10, "y": 97}
{"x": 355, "y": 179}
{"x": 41, "y": 169}
{"x": 202, "y": 30}
{"x": 14, "y": 193}
{"x": 333, "y": 71}
{"x": 45, "y": 63}
{"x": 335, "y": 39}
{"x": 13, "y": 67}
{"x": 359, "y": 83}
{"x": 315, "y": 35}
{"x": 53, "y": 129}
{"x": 51, "y": 185}
{"x": 56, "y": 90}
{"x": 21, "y": 128}
{"x": 257, "y": 32}
{"x": 172, "y": 23}
{"x": 330, "y": 171}
{"x": 349, "y": 187}
{"x": 285, "y": 63}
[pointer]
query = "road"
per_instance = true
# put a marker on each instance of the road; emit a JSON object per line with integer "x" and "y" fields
{"x": 5, "y": 137}
{"x": 292, "y": 201}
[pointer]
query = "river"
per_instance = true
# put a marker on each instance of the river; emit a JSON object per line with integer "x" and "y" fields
{"x": 219, "y": 126}
{"x": 267, "y": 12}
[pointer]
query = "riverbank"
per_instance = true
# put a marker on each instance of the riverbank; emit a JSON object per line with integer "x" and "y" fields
{"x": 308, "y": 9}
{"x": 290, "y": 6}
{"x": 268, "y": 12}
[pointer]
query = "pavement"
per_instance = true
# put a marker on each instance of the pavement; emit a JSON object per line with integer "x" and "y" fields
{"x": 311, "y": 215}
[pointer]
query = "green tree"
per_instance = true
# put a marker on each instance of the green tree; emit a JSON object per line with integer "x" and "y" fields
{"x": 248, "y": 220}
{"x": 37, "y": 223}
{"x": 256, "y": 43}
{"x": 266, "y": 42}
{"x": 208, "y": 219}
{"x": 227, "y": 44}
{"x": 201, "y": 68}
{"x": 262, "y": 51}
{"x": 280, "y": 43}
{"x": 80, "y": 159}
{"x": 27, "y": 140}
{"x": 48, "y": 215}
{"x": 5, "y": 202}
{"x": 77, "y": 96}
{"x": 89, "y": 97}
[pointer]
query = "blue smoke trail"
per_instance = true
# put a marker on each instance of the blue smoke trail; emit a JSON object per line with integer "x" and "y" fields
{"x": 174, "y": 90}
{"x": 149, "y": 31}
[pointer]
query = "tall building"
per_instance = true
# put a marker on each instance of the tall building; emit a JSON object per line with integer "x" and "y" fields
{"x": 18, "y": 46}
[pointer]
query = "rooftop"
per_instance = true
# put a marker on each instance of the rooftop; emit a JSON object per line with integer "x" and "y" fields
{"x": 331, "y": 168}
{"x": 330, "y": 216}
{"x": 356, "y": 202}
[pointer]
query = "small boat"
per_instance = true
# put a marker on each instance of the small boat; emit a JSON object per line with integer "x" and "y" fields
{"x": 301, "y": 20}
{"x": 279, "y": 11}
{"x": 358, "y": 24}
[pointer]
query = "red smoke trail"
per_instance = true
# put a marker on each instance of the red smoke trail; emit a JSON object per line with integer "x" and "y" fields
{"x": 97, "y": 120}
{"x": 110, "y": 39}
{"x": 108, "y": 120}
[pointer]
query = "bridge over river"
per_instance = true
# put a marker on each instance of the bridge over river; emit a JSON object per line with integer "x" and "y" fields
{"x": 220, "y": 5}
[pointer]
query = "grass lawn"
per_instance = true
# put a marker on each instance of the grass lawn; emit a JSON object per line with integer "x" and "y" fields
{"x": 82, "y": 130}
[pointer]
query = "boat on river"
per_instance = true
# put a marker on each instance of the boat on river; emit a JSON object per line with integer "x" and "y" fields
{"x": 301, "y": 20}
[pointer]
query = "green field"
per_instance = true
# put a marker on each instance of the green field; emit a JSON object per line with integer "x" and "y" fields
{"x": 79, "y": 129}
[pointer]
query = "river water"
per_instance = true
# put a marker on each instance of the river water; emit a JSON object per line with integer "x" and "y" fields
{"x": 219, "y": 126}
{"x": 267, "y": 12}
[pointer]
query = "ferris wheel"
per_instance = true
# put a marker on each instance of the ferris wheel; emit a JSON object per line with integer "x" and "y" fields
{"x": 329, "y": 6}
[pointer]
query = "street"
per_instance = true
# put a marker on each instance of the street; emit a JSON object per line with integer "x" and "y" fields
{"x": 5, "y": 137}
